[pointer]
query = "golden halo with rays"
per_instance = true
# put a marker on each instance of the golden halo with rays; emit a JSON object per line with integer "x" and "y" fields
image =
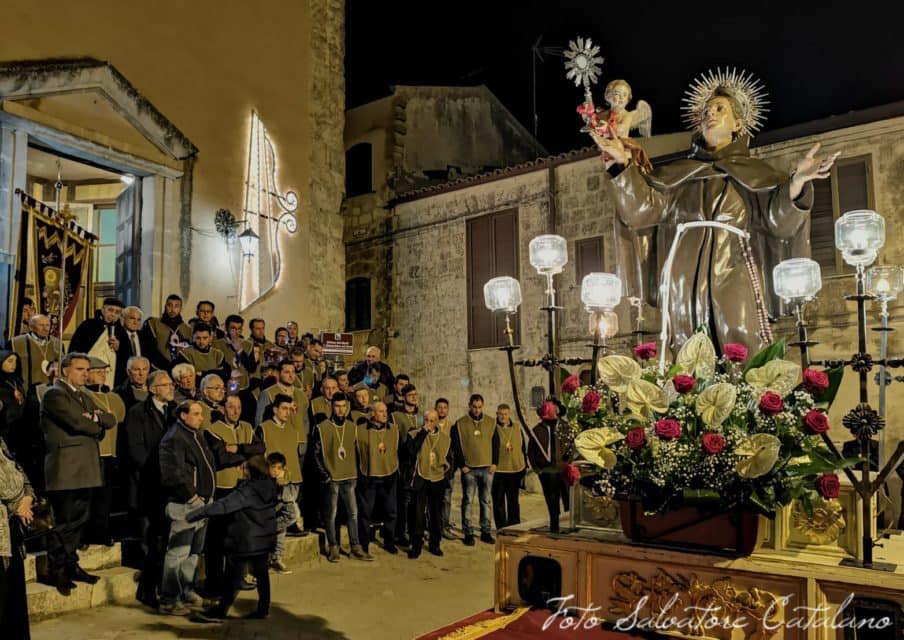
{"x": 741, "y": 85}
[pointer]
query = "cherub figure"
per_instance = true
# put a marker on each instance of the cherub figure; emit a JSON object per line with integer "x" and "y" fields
{"x": 618, "y": 96}
{"x": 616, "y": 122}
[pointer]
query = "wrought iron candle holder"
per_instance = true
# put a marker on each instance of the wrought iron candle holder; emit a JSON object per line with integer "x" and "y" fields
{"x": 859, "y": 235}
{"x": 600, "y": 293}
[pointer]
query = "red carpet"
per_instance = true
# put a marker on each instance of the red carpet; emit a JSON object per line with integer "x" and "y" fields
{"x": 527, "y": 626}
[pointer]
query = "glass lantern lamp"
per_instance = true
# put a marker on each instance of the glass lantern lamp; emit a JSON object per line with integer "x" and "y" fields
{"x": 797, "y": 280}
{"x": 249, "y": 240}
{"x": 601, "y": 291}
{"x": 885, "y": 283}
{"x": 548, "y": 254}
{"x": 859, "y": 235}
{"x": 502, "y": 294}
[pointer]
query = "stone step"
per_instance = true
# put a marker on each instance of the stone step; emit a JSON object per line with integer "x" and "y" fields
{"x": 92, "y": 559}
{"x": 116, "y": 585}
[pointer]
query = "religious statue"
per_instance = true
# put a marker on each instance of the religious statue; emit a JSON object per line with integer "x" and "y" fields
{"x": 717, "y": 278}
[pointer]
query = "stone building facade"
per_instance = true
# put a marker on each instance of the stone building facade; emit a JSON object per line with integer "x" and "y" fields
{"x": 416, "y": 137}
{"x": 565, "y": 195}
{"x": 122, "y": 84}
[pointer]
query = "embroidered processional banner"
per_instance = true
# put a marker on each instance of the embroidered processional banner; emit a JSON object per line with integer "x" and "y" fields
{"x": 50, "y": 247}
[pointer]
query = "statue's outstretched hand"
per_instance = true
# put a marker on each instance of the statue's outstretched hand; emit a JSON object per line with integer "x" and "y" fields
{"x": 811, "y": 167}
{"x": 613, "y": 148}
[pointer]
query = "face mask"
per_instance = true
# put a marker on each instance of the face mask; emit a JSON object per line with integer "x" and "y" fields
{"x": 368, "y": 380}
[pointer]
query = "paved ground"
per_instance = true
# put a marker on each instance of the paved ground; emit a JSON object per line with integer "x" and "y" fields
{"x": 393, "y": 598}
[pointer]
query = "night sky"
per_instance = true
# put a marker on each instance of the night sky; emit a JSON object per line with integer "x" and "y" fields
{"x": 816, "y": 59}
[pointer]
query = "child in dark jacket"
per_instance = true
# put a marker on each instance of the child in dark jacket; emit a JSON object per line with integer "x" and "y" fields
{"x": 250, "y": 533}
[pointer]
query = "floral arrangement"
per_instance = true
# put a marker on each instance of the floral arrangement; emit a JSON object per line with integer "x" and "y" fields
{"x": 730, "y": 431}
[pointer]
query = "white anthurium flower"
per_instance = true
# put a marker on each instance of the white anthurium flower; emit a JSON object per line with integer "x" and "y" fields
{"x": 759, "y": 454}
{"x": 644, "y": 398}
{"x": 593, "y": 445}
{"x": 780, "y": 376}
{"x": 697, "y": 357}
{"x": 715, "y": 403}
{"x": 617, "y": 371}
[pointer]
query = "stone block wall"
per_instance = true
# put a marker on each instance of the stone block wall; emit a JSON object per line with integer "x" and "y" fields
{"x": 327, "y": 115}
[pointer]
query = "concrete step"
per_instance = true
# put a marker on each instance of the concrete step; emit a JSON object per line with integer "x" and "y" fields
{"x": 92, "y": 559}
{"x": 116, "y": 585}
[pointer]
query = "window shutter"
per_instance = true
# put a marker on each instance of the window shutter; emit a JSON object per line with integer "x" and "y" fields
{"x": 357, "y": 304}
{"x": 588, "y": 257}
{"x": 492, "y": 244}
{"x": 822, "y": 227}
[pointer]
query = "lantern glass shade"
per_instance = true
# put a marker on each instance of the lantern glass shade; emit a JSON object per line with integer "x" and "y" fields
{"x": 502, "y": 294}
{"x": 249, "y": 239}
{"x": 601, "y": 291}
{"x": 606, "y": 322}
{"x": 548, "y": 254}
{"x": 885, "y": 283}
{"x": 797, "y": 279}
{"x": 859, "y": 235}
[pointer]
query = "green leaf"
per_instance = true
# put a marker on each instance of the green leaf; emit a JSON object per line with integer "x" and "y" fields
{"x": 774, "y": 351}
{"x": 674, "y": 370}
{"x": 806, "y": 503}
{"x": 759, "y": 504}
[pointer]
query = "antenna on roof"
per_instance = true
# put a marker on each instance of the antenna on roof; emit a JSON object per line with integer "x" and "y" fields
{"x": 537, "y": 53}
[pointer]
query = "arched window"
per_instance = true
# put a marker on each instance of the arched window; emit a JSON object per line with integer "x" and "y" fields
{"x": 357, "y": 304}
{"x": 359, "y": 167}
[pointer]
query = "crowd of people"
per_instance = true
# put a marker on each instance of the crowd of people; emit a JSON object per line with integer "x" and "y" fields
{"x": 223, "y": 446}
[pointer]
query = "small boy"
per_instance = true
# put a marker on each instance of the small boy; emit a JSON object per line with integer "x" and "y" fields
{"x": 250, "y": 533}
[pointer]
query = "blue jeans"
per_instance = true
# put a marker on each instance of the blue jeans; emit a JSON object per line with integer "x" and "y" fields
{"x": 287, "y": 514}
{"x": 332, "y": 490}
{"x": 185, "y": 545}
{"x": 481, "y": 481}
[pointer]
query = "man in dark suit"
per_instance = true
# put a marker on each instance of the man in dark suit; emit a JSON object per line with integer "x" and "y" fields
{"x": 72, "y": 426}
{"x": 144, "y": 427}
{"x": 134, "y": 388}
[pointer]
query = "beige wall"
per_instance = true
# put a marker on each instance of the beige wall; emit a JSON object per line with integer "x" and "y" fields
{"x": 205, "y": 65}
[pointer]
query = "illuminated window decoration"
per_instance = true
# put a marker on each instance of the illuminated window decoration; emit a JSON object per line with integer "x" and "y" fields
{"x": 267, "y": 212}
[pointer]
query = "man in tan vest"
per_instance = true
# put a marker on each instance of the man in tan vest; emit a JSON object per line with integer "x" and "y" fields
{"x": 102, "y": 496}
{"x": 204, "y": 357}
{"x": 232, "y": 431}
{"x": 509, "y": 470}
{"x": 166, "y": 334}
{"x": 378, "y": 475}
{"x": 476, "y": 446}
{"x": 321, "y": 406}
{"x": 431, "y": 450}
{"x": 282, "y": 436}
{"x": 445, "y": 424}
{"x": 300, "y": 419}
{"x": 409, "y": 421}
{"x": 335, "y": 453}
{"x": 36, "y": 349}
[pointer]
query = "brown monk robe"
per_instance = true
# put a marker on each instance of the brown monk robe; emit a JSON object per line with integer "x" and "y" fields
{"x": 710, "y": 285}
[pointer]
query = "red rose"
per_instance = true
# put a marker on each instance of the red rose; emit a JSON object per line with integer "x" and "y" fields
{"x": 570, "y": 474}
{"x": 815, "y": 381}
{"x": 591, "y": 402}
{"x": 571, "y": 384}
{"x": 816, "y": 422}
{"x": 684, "y": 383}
{"x": 548, "y": 410}
{"x": 713, "y": 443}
{"x": 636, "y": 438}
{"x": 771, "y": 403}
{"x": 735, "y": 352}
{"x": 645, "y": 351}
{"x": 668, "y": 428}
{"x": 828, "y": 486}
